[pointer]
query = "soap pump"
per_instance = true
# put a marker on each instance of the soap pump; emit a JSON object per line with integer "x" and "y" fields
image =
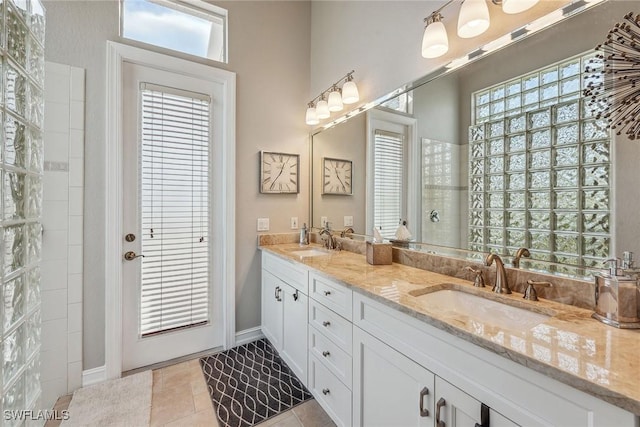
{"x": 618, "y": 295}
{"x": 304, "y": 235}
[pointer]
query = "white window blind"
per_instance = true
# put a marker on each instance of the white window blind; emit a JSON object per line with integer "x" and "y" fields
{"x": 388, "y": 153}
{"x": 175, "y": 209}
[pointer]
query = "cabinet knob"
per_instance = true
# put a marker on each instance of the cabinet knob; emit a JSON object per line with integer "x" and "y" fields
{"x": 326, "y": 323}
{"x": 326, "y": 354}
{"x": 327, "y": 293}
{"x": 325, "y": 391}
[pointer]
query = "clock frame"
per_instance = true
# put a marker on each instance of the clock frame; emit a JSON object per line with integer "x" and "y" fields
{"x": 279, "y": 173}
{"x": 337, "y": 176}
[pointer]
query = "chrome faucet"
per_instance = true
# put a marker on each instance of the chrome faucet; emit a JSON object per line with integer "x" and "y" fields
{"x": 347, "y": 230}
{"x": 501, "y": 286}
{"x": 522, "y": 252}
{"x": 329, "y": 242}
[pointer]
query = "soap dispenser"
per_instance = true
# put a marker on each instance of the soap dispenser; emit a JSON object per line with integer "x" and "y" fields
{"x": 304, "y": 235}
{"x": 618, "y": 295}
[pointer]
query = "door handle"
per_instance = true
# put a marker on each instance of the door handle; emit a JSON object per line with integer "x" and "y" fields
{"x": 130, "y": 256}
{"x": 296, "y": 296}
{"x": 278, "y": 293}
{"x": 423, "y": 393}
{"x": 441, "y": 403}
{"x": 484, "y": 416}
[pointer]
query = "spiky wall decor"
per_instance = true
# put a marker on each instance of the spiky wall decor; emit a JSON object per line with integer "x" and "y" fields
{"x": 613, "y": 88}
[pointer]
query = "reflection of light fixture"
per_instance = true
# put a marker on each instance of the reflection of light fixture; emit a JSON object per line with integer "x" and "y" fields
{"x": 516, "y": 6}
{"x": 473, "y": 20}
{"x": 334, "y": 101}
{"x": 435, "y": 42}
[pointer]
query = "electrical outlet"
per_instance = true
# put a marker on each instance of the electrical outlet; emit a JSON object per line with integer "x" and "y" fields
{"x": 323, "y": 221}
{"x": 294, "y": 222}
{"x": 348, "y": 221}
{"x": 263, "y": 224}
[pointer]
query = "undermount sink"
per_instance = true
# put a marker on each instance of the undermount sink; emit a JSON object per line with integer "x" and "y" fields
{"x": 478, "y": 308}
{"x": 303, "y": 253}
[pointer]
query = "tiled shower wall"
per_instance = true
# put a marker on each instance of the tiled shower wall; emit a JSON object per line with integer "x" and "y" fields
{"x": 62, "y": 220}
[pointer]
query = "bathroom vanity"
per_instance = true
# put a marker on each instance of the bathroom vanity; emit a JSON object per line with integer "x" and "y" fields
{"x": 393, "y": 345}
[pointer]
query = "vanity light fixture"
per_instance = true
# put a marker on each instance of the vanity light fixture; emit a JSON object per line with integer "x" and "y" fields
{"x": 473, "y": 20}
{"x": 332, "y": 99}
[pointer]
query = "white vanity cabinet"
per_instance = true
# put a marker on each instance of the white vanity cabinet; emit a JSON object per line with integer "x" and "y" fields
{"x": 330, "y": 347}
{"x": 285, "y": 307}
{"x": 466, "y": 376}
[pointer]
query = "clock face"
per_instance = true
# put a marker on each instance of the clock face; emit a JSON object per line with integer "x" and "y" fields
{"x": 337, "y": 176}
{"x": 278, "y": 173}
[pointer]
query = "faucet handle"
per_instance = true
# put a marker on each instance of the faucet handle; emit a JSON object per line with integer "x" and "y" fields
{"x": 530, "y": 293}
{"x": 479, "y": 280}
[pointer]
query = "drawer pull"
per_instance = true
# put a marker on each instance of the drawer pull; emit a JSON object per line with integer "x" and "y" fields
{"x": 484, "y": 416}
{"x": 441, "y": 403}
{"x": 326, "y": 354}
{"x": 326, "y": 323}
{"x": 325, "y": 391}
{"x": 423, "y": 393}
{"x": 327, "y": 293}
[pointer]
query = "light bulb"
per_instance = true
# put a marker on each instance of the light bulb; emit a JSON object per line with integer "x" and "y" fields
{"x": 517, "y": 6}
{"x": 335, "y": 100}
{"x": 312, "y": 117}
{"x": 473, "y": 19}
{"x": 435, "y": 42}
{"x": 350, "y": 93}
{"x": 322, "y": 109}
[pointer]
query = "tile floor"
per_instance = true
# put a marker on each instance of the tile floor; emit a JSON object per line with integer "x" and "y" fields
{"x": 180, "y": 398}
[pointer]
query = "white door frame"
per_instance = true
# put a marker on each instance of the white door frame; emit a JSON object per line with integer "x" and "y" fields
{"x": 118, "y": 53}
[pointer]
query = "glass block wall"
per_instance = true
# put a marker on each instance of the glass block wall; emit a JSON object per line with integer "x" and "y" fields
{"x": 539, "y": 167}
{"x": 21, "y": 153}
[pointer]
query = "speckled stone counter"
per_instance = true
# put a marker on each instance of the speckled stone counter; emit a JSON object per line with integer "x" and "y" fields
{"x": 569, "y": 346}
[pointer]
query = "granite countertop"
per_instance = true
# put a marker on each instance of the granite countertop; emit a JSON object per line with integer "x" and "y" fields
{"x": 570, "y": 346}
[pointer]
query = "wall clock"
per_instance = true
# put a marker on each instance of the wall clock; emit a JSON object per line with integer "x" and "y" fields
{"x": 337, "y": 176}
{"x": 279, "y": 173}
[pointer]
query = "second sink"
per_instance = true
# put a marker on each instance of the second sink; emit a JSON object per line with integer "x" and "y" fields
{"x": 481, "y": 309}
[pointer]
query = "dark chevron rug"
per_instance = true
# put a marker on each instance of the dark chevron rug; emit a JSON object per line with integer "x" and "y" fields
{"x": 250, "y": 384}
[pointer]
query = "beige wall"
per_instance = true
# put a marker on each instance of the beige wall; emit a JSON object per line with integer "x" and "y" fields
{"x": 269, "y": 50}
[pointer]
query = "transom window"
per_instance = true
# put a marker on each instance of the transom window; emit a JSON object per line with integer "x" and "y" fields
{"x": 189, "y": 26}
{"x": 540, "y": 168}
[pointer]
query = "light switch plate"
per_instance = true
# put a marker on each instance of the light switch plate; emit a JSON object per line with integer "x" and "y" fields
{"x": 323, "y": 221}
{"x": 263, "y": 224}
{"x": 348, "y": 221}
{"x": 294, "y": 222}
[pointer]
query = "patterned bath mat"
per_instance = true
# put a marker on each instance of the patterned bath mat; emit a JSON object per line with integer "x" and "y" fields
{"x": 250, "y": 384}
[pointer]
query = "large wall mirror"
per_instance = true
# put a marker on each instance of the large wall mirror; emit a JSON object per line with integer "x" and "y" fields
{"x": 498, "y": 154}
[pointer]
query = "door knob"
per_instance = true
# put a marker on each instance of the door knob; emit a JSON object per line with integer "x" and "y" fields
{"x": 130, "y": 256}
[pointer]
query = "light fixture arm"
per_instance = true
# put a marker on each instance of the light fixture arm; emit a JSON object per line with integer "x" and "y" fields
{"x": 346, "y": 78}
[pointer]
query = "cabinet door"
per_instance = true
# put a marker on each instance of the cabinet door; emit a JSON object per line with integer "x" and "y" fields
{"x": 455, "y": 408}
{"x": 294, "y": 326}
{"x": 272, "y": 309}
{"x": 389, "y": 389}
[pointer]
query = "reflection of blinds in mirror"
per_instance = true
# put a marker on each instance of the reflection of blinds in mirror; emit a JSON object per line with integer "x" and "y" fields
{"x": 388, "y": 153}
{"x": 174, "y": 208}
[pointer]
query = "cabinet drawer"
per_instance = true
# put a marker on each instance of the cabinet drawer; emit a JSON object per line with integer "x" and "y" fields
{"x": 331, "y": 325}
{"x": 294, "y": 275}
{"x": 331, "y": 356}
{"x": 331, "y": 394}
{"x": 333, "y": 295}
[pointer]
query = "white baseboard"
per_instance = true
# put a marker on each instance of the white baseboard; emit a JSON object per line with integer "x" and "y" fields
{"x": 248, "y": 335}
{"x": 94, "y": 376}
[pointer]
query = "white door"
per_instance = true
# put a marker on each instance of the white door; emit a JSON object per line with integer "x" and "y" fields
{"x": 294, "y": 330}
{"x": 389, "y": 389}
{"x": 172, "y": 285}
{"x": 272, "y": 313}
